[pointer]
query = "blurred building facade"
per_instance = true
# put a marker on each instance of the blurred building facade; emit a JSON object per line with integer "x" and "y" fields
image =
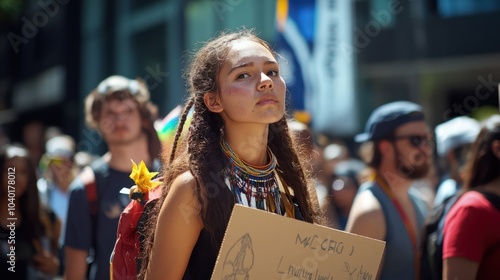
{"x": 441, "y": 53}
{"x": 444, "y": 54}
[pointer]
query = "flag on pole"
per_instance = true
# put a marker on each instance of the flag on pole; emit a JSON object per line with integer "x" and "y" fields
{"x": 315, "y": 38}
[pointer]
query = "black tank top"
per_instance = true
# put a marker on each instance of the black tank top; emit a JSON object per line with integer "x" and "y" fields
{"x": 202, "y": 261}
{"x": 203, "y": 258}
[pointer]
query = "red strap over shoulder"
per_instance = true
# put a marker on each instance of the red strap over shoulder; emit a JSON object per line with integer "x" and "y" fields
{"x": 88, "y": 178}
{"x": 154, "y": 193}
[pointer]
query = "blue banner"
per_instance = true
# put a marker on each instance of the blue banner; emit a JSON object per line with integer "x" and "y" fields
{"x": 314, "y": 38}
{"x": 294, "y": 42}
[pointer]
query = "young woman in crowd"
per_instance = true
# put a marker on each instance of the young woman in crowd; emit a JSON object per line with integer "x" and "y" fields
{"x": 238, "y": 150}
{"x": 28, "y": 230}
{"x": 471, "y": 246}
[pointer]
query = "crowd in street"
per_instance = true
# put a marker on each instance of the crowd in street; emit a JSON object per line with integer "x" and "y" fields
{"x": 243, "y": 144}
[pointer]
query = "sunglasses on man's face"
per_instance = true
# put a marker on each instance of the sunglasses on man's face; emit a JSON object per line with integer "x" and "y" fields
{"x": 415, "y": 140}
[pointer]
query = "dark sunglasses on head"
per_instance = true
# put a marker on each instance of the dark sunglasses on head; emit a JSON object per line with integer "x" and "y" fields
{"x": 415, "y": 140}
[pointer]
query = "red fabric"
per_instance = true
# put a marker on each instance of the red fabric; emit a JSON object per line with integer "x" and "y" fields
{"x": 127, "y": 243}
{"x": 472, "y": 231}
{"x": 127, "y": 247}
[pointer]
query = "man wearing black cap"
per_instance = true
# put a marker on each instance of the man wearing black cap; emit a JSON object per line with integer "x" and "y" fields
{"x": 121, "y": 111}
{"x": 386, "y": 208}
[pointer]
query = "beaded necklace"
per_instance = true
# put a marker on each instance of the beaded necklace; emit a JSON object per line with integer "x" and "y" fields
{"x": 254, "y": 170}
{"x": 254, "y": 186}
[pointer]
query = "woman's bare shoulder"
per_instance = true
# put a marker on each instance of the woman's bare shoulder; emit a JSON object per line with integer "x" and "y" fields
{"x": 184, "y": 179}
{"x": 182, "y": 193}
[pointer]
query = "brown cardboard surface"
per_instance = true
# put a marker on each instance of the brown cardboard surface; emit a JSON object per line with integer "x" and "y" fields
{"x": 263, "y": 246}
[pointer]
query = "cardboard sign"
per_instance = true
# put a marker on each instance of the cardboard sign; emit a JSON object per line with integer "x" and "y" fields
{"x": 260, "y": 245}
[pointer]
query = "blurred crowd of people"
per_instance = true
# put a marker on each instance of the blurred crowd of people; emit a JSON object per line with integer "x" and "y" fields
{"x": 386, "y": 188}
{"x": 56, "y": 231}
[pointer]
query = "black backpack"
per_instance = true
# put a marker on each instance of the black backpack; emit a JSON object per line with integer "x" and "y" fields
{"x": 431, "y": 258}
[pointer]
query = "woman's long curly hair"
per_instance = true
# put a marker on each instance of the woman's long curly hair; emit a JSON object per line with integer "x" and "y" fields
{"x": 207, "y": 163}
{"x": 31, "y": 210}
{"x": 483, "y": 165}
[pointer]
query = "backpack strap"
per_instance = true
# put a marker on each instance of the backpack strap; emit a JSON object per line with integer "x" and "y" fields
{"x": 91, "y": 193}
{"x": 88, "y": 178}
{"x": 92, "y": 177}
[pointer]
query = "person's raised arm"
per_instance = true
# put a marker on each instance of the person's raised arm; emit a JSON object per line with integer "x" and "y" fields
{"x": 177, "y": 230}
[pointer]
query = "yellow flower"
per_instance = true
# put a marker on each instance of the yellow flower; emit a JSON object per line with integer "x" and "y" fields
{"x": 142, "y": 177}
